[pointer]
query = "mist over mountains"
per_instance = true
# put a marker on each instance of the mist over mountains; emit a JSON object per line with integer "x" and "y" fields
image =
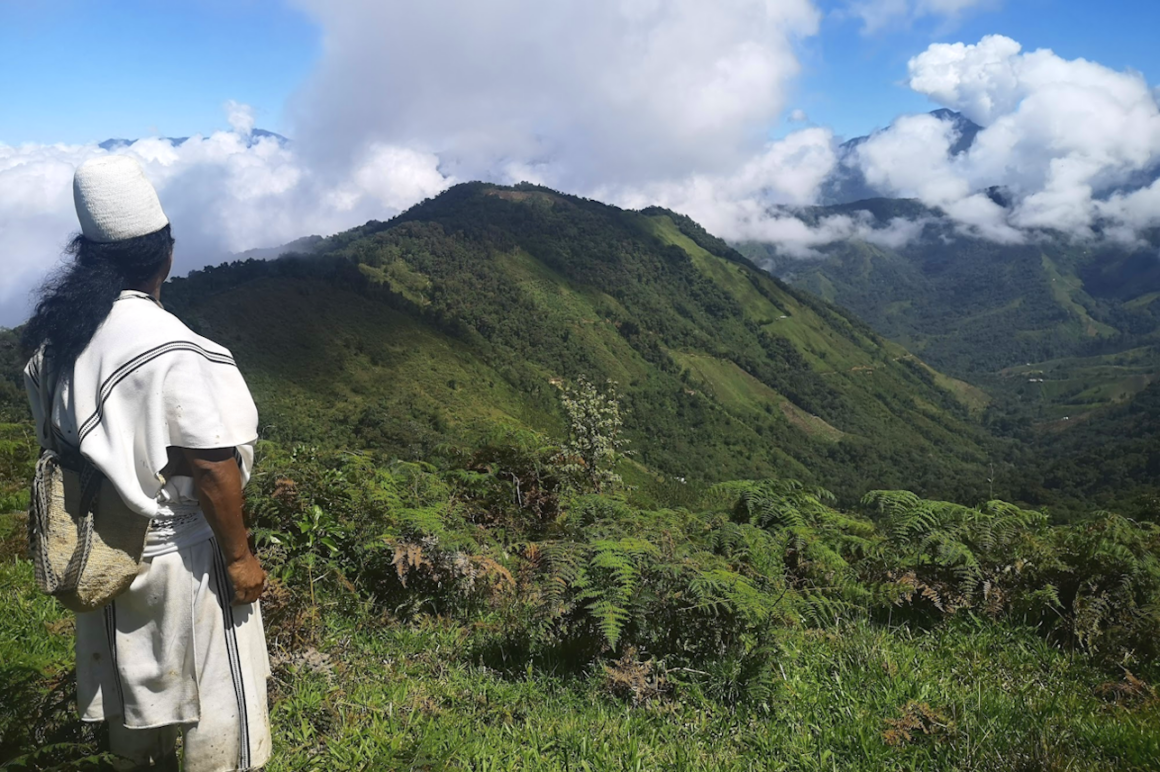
{"x": 253, "y": 136}
{"x": 847, "y": 183}
{"x": 1024, "y": 145}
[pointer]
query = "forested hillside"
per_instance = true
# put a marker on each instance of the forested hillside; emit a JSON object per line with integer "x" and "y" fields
{"x": 1110, "y": 461}
{"x": 1057, "y": 327}
{"x": 546, "y": 484}
{"x": 472, "y": 309}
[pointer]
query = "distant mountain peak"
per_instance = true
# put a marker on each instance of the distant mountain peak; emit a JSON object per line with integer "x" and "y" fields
{"x": 848, "y": 184}
{"x": 252, "y": 139}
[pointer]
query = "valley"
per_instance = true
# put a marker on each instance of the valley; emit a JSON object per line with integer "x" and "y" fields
{"x": 748, "y": 386}
{"x": 797, "y": 500}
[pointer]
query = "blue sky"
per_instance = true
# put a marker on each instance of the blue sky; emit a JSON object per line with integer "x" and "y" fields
{"x": 853, "y": 81}
{"x": 83, "y": 71}
{"x": 679, "y": 103}
{"x": 89, "y": 70}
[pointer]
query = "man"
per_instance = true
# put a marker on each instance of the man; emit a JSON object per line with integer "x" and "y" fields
{"x": 166, "y": 417}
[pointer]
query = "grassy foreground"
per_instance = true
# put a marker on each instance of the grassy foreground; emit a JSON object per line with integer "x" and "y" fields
{"x": 971, "y": 696}
{"x": 522, "y": 603}
{"x": 356, "y": 687}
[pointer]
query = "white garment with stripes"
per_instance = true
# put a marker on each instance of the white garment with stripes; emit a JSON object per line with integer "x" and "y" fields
{"x": 144, "y": 383}
{"x": 172, "y": 651}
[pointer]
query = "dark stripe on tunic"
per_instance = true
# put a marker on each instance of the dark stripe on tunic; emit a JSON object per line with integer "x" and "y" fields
{"x": 127, "y": 369}
{"x": 225, "y": 598}
{"x": 111, "y": 632}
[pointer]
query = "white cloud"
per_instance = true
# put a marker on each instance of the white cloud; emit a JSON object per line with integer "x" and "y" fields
{"x": 606, "y": 90}
{"x": 648, "y": 100}
{"x": 240, "y": 117}
{"x": 1129, "y": 213}
{"x": 796, "y": 238}
{"x": 912, "y": 159}
{"x": 222, "y": 194}
{"x": 1057, "y": 135}
{"x": 745, "y": 205}
{"x": 737, "y": 204}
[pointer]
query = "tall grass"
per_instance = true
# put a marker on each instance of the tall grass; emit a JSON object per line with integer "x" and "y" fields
{"x": 483, "y": 611}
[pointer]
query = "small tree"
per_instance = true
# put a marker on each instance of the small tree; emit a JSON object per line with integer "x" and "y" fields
{"x": 594, "y": 442}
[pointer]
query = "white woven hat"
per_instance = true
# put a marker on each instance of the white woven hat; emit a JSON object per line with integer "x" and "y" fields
{"x": 115, "y": 200}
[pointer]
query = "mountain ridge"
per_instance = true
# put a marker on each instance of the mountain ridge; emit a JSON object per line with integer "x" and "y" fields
{"x": 471, "y": 309}
{"x": 501, "y": 291}
{"x": 956, "y": 299}
{"x": 847, "y": 183}
{"x": 252, "y": 137}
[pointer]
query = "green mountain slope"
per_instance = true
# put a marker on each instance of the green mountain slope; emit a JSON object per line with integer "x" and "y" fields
{"x": 1110, "y": 460}
{"x": 471, "y": 308}
{"x": 1060, "y": 326}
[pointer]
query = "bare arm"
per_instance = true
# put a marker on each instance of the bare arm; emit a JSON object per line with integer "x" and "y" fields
{"x": 219, "y": 488}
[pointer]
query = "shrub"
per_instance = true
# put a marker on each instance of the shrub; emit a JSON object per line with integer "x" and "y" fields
{"x": 493, "y": 539}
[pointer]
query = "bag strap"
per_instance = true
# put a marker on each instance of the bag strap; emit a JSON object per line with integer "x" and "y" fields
{"x": 49, "y": 377}
{"x": 48, "y": 384}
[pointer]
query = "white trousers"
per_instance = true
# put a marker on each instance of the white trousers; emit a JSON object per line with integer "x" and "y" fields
{"x": 171, "y": 655}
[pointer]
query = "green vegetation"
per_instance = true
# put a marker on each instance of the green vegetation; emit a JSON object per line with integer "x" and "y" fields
{"x": 1073, "y": 386}
{"x": 482, "y": 611}
{"x": 402, "y": 336}
{"x": 1058, "y": 341}
{"x": 1110, "y": 461}
{"x": 485, "y": 557}
{"x": 18, "y": 445}
{"x": 18, "y": 449}
{"x": 973, "y": 308}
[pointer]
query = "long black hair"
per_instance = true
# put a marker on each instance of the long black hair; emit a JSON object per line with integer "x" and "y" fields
{"x": 74, "y": 302}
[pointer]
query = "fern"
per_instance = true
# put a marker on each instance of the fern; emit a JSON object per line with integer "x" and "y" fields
{"x": 889, "y": 505}
{"x": 595, "y": 508}
{"x": 720, "y": 593}
{"x": 606, "y": 584}
{"x": 750, "y": 550}
{"x": 563, "y": 562}
{"x": 783, "y": 503}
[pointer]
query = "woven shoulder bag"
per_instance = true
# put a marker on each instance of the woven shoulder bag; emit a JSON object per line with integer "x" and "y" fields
{"x": 85, "y": 543}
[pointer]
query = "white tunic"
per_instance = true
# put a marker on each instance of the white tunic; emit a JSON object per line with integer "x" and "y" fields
{"x": 172, "y": 654}
{"x": 171, "y": 651}
{"x": 146, "y": 383}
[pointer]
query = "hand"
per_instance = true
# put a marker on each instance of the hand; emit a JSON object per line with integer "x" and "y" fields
{"x": 247, "y": 578}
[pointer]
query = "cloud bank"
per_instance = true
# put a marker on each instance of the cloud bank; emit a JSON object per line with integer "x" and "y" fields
{"x": 634, "y": 102}
{"x": 1070, "y": 146}
{"x": 627, "y": 90}
{"x": 1061, "y": 137}
{"x": 622, "y": 96}
{"x": 223, "y": 193}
